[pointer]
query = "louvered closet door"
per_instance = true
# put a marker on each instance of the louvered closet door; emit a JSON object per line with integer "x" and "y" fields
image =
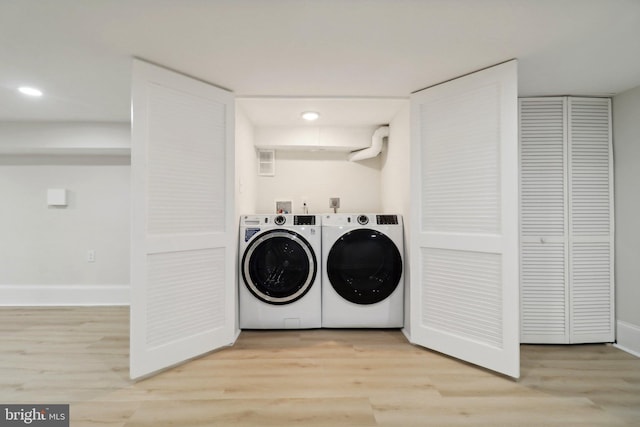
{"x": 544, "y": 275}
{"x": 183, "y": 235}
{"x": 464, "y": 256}
{"x": 591, "y": 220}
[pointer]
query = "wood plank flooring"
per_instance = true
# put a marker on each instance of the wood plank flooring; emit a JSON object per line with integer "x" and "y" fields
{"x": 303, "y": 378}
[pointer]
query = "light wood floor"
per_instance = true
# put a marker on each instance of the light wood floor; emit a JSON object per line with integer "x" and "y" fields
{"x": 303, "y": 378}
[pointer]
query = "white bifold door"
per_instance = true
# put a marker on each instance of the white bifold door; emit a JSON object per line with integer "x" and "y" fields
{"x": 183, "y": 300}
{"x": 464, "y": 230}
{"x": 567, "y": 245}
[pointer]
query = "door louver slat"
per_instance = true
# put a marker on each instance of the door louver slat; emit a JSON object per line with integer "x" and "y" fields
{"x": 544, "y": 305}
{"x": 591, "y": 220}
{"x": 590, "y": 198}
{"x": 542, "y": 167}
{"x": 543, "y": 291}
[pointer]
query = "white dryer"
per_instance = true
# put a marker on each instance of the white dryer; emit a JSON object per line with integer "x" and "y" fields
{"x": 280, "y": 275}
{"x": 362, "y": 276}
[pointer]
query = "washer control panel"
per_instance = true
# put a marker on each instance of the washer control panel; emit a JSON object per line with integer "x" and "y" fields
{"x": 304, "y": 220}
{"x": 387, "y": 219}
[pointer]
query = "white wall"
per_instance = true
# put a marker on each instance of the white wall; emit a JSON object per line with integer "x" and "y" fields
{"x": 53, "y": 137}
{"x": 626, "y": 149}
{"x": 314, "y": 138}
{"x": 246, "y": 164}
{"x": 317, "y": 176}
{"x": 395, "y": 187}
{"x": 43, "y": 250}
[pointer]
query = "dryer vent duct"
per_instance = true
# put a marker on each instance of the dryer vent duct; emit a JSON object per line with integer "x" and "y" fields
{"x": 376, "y": 146}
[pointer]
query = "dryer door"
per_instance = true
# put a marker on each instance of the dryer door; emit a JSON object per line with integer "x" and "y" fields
{"x": 364, "y": 266}
{"x": 279, "y": 266}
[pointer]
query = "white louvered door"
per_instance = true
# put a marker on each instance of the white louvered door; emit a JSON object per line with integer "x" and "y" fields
{"x": 544, "y": 273}
{"x": 182, "y": 248}
{"x": 464, "y": 252}
{"x": 591, "y": 220}
{"x": 566, "y": 220}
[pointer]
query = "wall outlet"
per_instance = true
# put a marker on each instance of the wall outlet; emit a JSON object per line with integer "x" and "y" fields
{"x": 91, "y": 255}
{"x": 334, "y": 202}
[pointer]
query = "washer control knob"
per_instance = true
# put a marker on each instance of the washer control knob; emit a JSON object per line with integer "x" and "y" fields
{"x": 280, "y": 220}
{"x": 363, "y": 219}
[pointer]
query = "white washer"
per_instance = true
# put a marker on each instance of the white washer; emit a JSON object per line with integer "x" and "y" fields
{"x": 362, "y": 276}
{"x": 280, "y": 275}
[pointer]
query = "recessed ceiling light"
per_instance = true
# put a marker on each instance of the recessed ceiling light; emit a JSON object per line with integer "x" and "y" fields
{"x": 310, "y": 115}
{"x": 31, "y": 91}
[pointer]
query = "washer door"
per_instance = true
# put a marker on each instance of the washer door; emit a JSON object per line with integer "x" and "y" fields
{"x": 279, "y": 267}
{"x": 364, "y": 266}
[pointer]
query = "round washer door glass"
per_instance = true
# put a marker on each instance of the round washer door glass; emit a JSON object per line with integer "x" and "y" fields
{"x": 364, "y": 266}
{"x": 279, "y": 266}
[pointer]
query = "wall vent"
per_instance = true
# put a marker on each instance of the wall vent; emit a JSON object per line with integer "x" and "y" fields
{"x": 266, "y": 162}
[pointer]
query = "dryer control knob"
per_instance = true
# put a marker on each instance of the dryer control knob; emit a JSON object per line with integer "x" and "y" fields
{"x": 363, "y": 219}
{"x": 279, "y": 220}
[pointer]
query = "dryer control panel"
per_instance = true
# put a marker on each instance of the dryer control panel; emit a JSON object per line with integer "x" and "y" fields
{"x": 361, "y": 220}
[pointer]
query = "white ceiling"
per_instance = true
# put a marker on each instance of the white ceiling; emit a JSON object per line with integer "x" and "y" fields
{"x": 333, "y": 111}
{"x": 79, "y": 52}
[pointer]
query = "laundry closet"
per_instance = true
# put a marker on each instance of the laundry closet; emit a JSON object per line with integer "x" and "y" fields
{"x": 450, "y": 168}
{"x": 303, "y": 262}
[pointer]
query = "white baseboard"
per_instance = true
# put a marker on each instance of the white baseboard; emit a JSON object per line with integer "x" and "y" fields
{"x": 63, "y": 295}
{"x": 628, "y": 338}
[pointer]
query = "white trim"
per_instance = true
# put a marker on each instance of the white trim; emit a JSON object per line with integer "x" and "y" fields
{"x": 406, "y": 331}
{"x": 63, "y": 295}
{"x": 628, "y": 338}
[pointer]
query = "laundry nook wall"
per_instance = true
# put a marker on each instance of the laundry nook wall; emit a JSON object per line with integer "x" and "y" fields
{"x": 311, "y": 166}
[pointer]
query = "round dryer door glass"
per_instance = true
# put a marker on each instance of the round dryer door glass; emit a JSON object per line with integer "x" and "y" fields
{"x": 364, "y": 266}
{"x": 279, "y": 267}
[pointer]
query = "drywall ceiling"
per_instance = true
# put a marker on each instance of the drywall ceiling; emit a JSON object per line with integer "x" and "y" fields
{"x": 333, "y": 111}
{"x": 79, "y": 52}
